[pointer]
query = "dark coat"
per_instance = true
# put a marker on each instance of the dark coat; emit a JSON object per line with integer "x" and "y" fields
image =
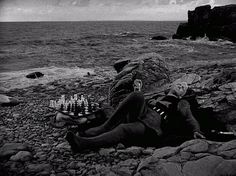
{"x": 179, "y": 120}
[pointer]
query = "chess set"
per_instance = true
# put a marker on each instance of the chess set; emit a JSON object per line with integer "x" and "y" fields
{"x": 77, "y": 106}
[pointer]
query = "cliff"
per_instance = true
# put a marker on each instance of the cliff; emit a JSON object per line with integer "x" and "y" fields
{"x": 215, "y": 23}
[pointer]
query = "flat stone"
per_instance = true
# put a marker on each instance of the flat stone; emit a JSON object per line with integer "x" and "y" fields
{"x": 33, "y": 168}
{"x": 200, "y": 146}
{"x": 204, "y": 166}
{"x": 106, "y": 151}
{"x": 165, "y": 152}
{"x": 125, "y": 167}
{"x": 21, "y": 156}
{"x": 133, "y": 150}
{"x": 189, "y": 79}
{"x": 63, "y": 145}
{"x": 80, "y": 164}
{"x": 148, "y": 151}
{"x": 10, "y": 149}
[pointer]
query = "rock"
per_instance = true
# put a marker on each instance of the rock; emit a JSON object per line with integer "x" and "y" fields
{"x": 159, "y": 38}
{"x": 133, "y": 150}
{"x": 150, "y": 68}
{"x": 148, "y": 151}
{"x": 119, "y": 65}
{"x": 195, "y": 157}
{"x": 80, "y": 165}
{"x": 21, "y": 156}
{"x": 33, "y": 168}
{"x": 63, "y": 145}
{"x": 106, "y": 151}
{"x": 10, "y": 149}
{"x": 216, "y": 23}
{"x": 34, "y": 75}
{"x": 8, "y": 101}
{"x": 125, "y": 167}
{"x": 189, "y": 79}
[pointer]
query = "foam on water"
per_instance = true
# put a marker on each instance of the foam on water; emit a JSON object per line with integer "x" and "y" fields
{"x": 17, "y": 79}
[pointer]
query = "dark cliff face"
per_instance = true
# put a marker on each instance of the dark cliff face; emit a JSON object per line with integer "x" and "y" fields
{"x": 216, "y": 23}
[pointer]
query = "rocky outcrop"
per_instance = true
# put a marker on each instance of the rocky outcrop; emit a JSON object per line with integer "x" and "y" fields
{"x": 35, "y": 75}
{"x": 216, "y": 23}
{"x": 196, "y": 157}
{"x": 150, "y": 68}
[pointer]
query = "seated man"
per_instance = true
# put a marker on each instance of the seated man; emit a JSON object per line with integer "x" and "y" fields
{"x": 137, "y": 122}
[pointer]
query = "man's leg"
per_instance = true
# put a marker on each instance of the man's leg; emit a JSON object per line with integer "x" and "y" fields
{"x": 122, "y": 133}
{"x": 129, "y": 110}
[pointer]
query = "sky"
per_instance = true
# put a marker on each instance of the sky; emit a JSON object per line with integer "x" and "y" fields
{"x": 92, "y": 10}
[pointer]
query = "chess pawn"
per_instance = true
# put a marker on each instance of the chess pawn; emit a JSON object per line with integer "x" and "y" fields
{"x": 68, "y": 107}
{"x": 76, "y": 112}
{"x": 63, "y": 98}
{"x": 89, "y": 106}
{"x": 51, "y": 104}
{"x": 58, "y": 104}
{"x": 62, "y": 107}
{"x": 82, "y": 108}
{"x": 75, "y": 97}
{"x": 65, "y": 107}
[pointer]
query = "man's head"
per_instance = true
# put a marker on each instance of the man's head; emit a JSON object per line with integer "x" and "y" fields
{"x": 179, "y": 89}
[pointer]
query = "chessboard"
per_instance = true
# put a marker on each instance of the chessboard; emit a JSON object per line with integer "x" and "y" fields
{"x": 76, "y": 107}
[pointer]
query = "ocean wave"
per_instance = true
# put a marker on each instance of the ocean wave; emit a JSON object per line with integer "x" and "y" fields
{"x": 17, "y": 79}
{"x": 205, "y": 40}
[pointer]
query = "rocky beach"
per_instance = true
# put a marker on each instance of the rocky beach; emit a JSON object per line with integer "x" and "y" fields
{"x": 30, "y": 145}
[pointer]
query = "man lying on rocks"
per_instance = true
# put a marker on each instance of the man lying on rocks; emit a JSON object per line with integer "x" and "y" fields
{"x": 137, "y": 122}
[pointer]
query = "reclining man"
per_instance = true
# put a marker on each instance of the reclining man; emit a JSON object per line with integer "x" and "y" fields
{"x": 137, "y": 122}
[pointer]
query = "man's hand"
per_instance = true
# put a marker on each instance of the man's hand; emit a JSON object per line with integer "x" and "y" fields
{"x": 198, "y": 135}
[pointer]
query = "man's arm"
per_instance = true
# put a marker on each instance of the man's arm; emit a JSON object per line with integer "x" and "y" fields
{"x": 184, "y": 108}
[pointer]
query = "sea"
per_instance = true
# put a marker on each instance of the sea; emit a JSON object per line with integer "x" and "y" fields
{"x": 64, "y": 50}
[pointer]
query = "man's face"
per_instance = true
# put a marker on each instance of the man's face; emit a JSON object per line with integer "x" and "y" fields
{"x": 180, "y": 89}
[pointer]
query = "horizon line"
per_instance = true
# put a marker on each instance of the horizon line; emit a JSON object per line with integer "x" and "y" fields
{"x": 96, "y": 21}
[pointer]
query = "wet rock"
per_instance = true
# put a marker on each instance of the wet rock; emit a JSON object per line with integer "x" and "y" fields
{"x": 216, "y": 23}
{"x": 21, "y": 156}
{"x": 34, "y": 75}
{"x": 159, "y": 38}
{"x": 10, "y": 149}
{"x": 8, "y": 101}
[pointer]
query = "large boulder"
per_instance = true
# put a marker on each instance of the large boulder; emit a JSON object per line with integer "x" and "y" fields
{"x": 150, "y": 68}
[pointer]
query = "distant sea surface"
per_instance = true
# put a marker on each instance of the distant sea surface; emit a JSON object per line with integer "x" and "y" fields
{"x": 27, "y": 45}
{"x": 66, "y": 49}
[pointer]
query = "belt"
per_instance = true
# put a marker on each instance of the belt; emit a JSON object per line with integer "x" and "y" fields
{"x": 160, "y": 112}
